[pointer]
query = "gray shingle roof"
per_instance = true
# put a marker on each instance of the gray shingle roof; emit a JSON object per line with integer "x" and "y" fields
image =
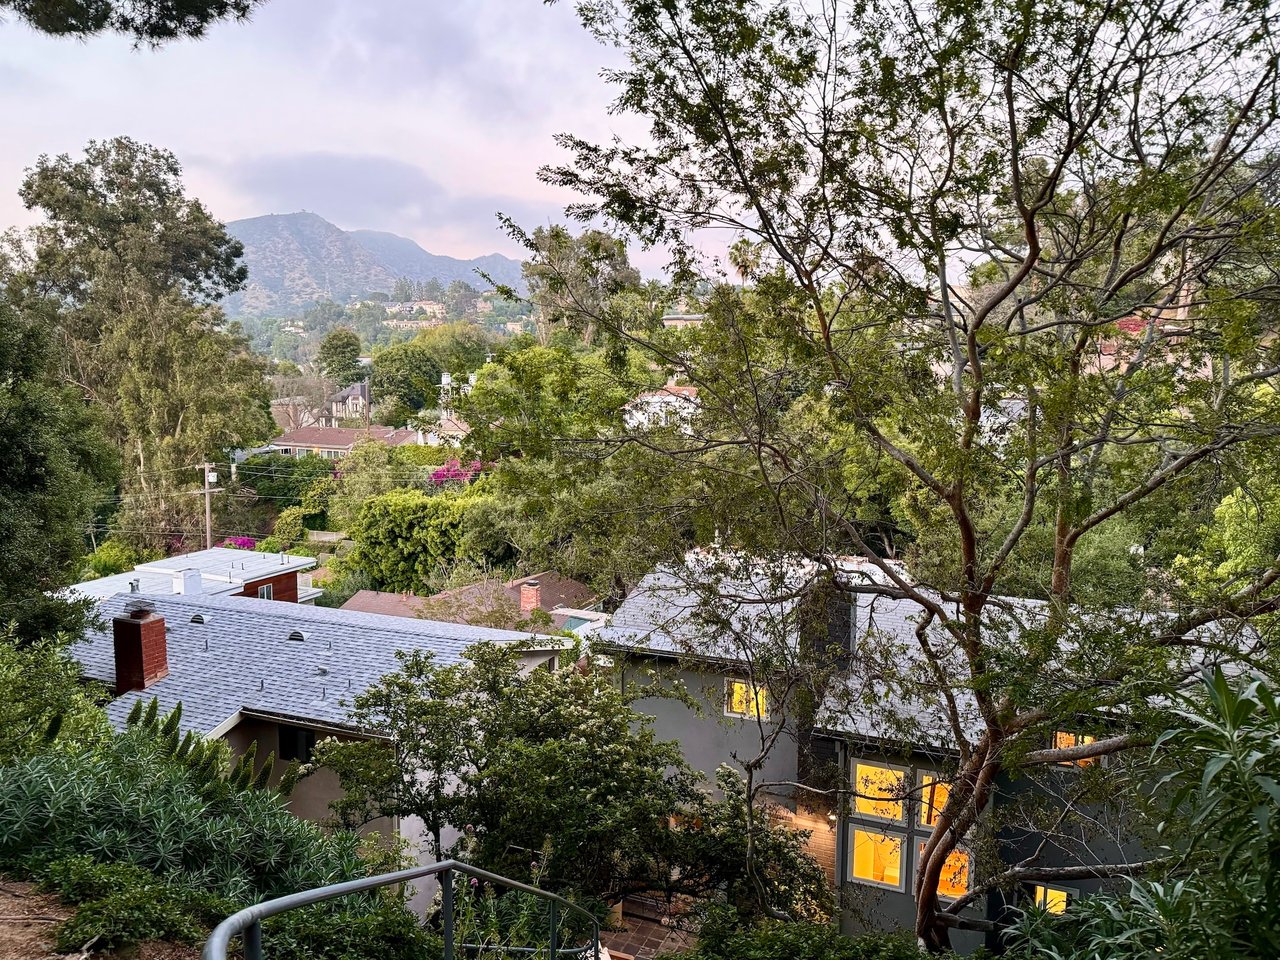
{"x": 241, "y": 657}
{"x": 665, "y": 614}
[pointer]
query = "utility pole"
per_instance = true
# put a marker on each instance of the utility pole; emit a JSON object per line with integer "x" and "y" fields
{"x": 210, "y": 478}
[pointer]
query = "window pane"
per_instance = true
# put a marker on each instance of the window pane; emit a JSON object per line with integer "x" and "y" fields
{"x": 954, "y": 880}
{"x": 1063, "y": 739}
{"x": 933, "y": 797}
{"x": 740, "y": 702}
{"x": 877, "y": 858}
{"x": 1051, "y": 899}
{"x": 879, "y": 791}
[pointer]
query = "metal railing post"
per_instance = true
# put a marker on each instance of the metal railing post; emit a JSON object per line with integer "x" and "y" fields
{"x": 253, "y": 941}
{"x": 446, "y": 904}
{"x": 555, "y": 932}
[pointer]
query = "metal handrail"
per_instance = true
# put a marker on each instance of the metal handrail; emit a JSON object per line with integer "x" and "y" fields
{"x": 248, "y": 922}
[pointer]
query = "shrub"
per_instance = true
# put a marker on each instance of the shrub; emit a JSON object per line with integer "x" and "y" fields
{"x": 290, "y": 528}
{"x": 240, "y": 543}
{"x": 723, "y": 939}
{"x": 201, "y": 835}
{"x": 121, "y": 904}
{"x": 112, "y": 557}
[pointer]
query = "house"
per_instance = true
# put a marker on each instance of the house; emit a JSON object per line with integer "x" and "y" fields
{"x": 449, "y": 431}
{"x": 334, "y": 443}
{"x": 269, "y": 673}
{"x": 220, "y": 571}
{"x": 571, "y": 605}
{"x": 673, "y": 404}
{"x": 870, "y": 766}
{"x": 349, "y": 404}
{"x": 682, "y": 321}
{"x": 290, "y": 413}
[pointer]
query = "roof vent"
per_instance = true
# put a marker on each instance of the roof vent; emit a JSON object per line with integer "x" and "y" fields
{"x": 198, "y": 618}
{"x": 297, "y": 635}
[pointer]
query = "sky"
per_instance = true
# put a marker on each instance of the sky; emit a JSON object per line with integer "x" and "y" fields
{"x": 420, "y": 117}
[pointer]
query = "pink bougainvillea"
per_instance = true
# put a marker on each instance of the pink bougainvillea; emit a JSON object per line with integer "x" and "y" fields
{"x": 239, "y": 543}
{"x": 454, "y": 472}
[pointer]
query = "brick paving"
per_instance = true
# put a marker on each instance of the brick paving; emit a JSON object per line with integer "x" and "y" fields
{"x": 644, "y": 939}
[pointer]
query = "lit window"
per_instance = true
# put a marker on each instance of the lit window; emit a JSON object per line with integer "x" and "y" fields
{"x": 933, "y": 797}
{"x": 1063, "y": 740}
{"x": 1052, "y": 899}
{"x": 953, "y": 882}
{"x": 879, "y": 791}
{"x": 877, "y": 858}
{"x": 742, "y": 699}
{"x": 264, "y": 592}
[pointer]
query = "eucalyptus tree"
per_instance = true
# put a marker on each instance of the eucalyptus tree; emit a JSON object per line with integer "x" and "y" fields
{"x": 1009, "y": 290}
{"x": 135, "y": 268}
{"x": 150, "y": 22}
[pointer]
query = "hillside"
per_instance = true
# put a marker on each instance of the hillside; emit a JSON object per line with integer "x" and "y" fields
{"x": 295, "y": 259}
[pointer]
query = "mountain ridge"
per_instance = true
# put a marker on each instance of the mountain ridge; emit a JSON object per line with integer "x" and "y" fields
{"x": 297, "y": 259}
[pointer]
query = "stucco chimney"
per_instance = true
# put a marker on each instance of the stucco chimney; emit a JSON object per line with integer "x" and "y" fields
{"x": 188, "y": 581}
{"x": 142, "y": 656}
{"x": 530, "y": 596}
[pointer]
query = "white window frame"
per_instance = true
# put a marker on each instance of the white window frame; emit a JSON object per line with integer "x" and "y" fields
{"x": 265, "y": 592}
{"x": 752, "y": 686}
{"x": 904, "y": 865}
{"x": 921, "y": 804}
{"x": 908, "y": 785}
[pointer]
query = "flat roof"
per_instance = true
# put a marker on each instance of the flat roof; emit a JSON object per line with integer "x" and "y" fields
{"x": 222, "y": 570}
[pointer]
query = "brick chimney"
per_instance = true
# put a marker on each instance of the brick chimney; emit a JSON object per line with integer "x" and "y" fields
{"x": 142, "y": 656}
{"x": 530, "y": 596}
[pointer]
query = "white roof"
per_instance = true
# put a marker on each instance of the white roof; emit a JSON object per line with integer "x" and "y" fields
{"x": 222, "y": 570}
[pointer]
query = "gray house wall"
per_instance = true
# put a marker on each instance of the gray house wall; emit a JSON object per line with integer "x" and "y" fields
{"x": 706, "y": 736}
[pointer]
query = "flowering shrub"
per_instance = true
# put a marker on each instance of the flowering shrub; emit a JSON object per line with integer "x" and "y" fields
{"x": 240, "y": 543}
{"x": 454, "y": 472}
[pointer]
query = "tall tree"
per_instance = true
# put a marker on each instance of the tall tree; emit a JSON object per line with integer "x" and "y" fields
{"x": 571, "y": 279}
{"x": 339, "y": 357}
{"x": 135, "y": 266}
{"x": 57, "y": 467}
{"x": 1005, "y": 254}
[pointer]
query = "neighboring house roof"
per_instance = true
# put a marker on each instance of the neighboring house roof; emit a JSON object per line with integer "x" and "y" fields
{"x": 358, "y": 391}
{"x": 241, "y": 658}
{"x": 222, "y": 570}
{"x": 484, "y": 600}
{"x": 343, "y": 438}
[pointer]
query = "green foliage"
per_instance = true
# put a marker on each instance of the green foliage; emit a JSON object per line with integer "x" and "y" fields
{"x": 119, "y": 904}
{"x": 405, "y": 538}
{"x": 724, "y": 937}
{"x": 44, "y": 702}
{"x": 1217, "y": 894}
{"x": 113, "y": 556}
{"x": 789, "y": 880}
{"x": 148, "y": 23}
{"x": 158, "y": 835}
{"x": 57, "y": 468}
{"x": 283, "y": 479}
{"x": 339, "y": 357}
{"x": 406, "y": 375}
{"x": 132, "y": 265}
{"x": 551, "y": 761}
{"x": 290, "y": 528}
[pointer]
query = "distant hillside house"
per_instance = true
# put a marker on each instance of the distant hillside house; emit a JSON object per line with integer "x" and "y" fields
{"x": 682, "y": 321}
{"x": 334, "y": 443}
{"x": 673, "y": 404}
{"x": 449, "y": 432}
{"x": 221, "y": 571}
{"x": 349, "y": 404}
{"x": 570, "y": 604}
